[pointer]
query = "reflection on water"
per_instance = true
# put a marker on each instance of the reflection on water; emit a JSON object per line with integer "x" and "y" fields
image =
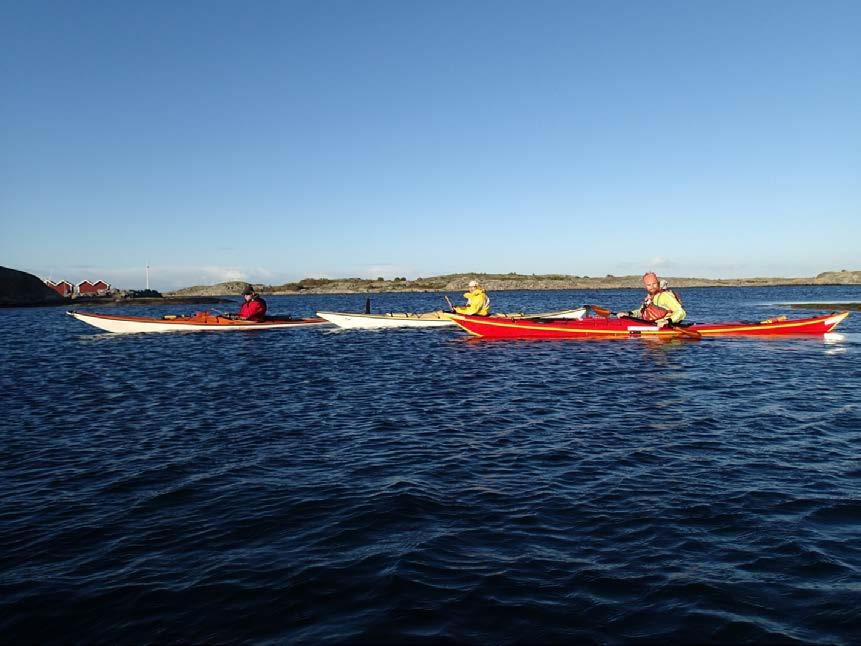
{"x": 842, "y": 338}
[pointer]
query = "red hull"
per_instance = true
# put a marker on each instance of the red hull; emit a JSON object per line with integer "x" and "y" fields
{"x": 624, "y": 328}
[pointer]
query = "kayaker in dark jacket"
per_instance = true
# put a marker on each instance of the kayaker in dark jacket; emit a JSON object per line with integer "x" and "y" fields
{"x": 660, "y": 306}
{"x": 254, "y": 307}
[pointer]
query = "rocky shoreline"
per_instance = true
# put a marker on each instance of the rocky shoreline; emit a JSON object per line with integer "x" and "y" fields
{"x": 20, "y": 289}
{"x": 504, "y": 282}
{"x": 149, "y": 300}
{"x": 828, "y": 307}
{"x": 82, "y": 303}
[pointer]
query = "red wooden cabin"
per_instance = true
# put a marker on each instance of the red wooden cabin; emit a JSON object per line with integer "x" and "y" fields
{"x": 102, "y": 287}
{"x": 86, "y": 287}
{"x": 63, "y": 288}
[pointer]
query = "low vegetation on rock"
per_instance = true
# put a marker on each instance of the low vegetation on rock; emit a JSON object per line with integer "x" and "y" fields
{"x": 509, "y": 281}
{"x": 18, "y": 288}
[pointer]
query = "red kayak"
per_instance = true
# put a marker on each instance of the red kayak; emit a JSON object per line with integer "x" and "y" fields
{"x": 497, "y": 328}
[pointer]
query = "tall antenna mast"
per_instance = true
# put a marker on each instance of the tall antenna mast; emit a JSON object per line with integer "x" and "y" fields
{"x": 147, "y": 275}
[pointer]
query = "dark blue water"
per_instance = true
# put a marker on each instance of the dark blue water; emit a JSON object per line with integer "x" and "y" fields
{"x": 415, "y": 485}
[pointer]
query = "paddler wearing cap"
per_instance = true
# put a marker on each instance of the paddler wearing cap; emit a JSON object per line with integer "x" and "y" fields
{"x": 661, "y": 306}
{"x": 254, "y": 307}
{"x": 477, "y": 301}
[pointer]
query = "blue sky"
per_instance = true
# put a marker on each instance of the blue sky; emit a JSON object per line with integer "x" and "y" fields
{"x": 270, "y": 141}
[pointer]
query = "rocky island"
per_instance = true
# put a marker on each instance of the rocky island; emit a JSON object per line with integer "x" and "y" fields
{"x": 20, "y": 289}
{"x": 500, "y": 282}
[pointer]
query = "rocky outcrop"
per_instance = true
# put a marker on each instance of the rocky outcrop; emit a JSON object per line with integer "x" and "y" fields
{"x": 231, "y": 288}
{"x": 827, "y": 307}
{"x": 501, "y": 282}
{"x": 18, "y": 288}
{"x": 842, "y": 277}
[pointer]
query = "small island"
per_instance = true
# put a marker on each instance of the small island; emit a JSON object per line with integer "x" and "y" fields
{"x": 828, "y": 307}
{"x": 21, "y": 289}
{"x": 503, "y": 282}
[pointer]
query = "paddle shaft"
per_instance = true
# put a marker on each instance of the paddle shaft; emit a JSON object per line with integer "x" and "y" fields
{"x": 691, "y": 334}
{"x": 450, "y": 305}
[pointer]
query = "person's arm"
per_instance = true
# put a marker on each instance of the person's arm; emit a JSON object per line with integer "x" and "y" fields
{"x": 471, "y": 306}
{"x": 632, "y": 313}
{"x": 469, "y": 309}
{"x": 476, "y": 303}
{"x": 668, "y": 301}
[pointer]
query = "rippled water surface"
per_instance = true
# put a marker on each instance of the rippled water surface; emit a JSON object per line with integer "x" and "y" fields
{"x": 415, "y": 485}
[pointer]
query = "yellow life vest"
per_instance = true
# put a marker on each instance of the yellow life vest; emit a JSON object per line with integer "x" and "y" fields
{"x": 477, "y": 303}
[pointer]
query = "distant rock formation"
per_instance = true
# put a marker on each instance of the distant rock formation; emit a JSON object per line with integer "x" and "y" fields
{"x": 231, "y": 288}
{"x": 500, "y": 282}
{"x": 18, "y": 288}
{"x": 842, "y": 277}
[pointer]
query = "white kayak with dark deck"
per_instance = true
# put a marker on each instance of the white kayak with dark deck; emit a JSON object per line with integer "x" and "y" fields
{"x": 194, "y": 323}
{"x": 355, "y": 320}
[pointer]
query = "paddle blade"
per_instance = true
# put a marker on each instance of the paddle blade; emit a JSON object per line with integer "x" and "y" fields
{"x": 776, "y": 319}
{"x": 600, "y": 311}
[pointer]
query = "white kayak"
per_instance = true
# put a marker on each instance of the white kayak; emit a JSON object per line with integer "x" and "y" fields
{"x": 358, "y": 321}
{"x": 196, "y": 322}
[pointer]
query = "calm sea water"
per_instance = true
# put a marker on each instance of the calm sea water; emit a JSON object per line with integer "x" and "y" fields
{"x": 415, "y": 485}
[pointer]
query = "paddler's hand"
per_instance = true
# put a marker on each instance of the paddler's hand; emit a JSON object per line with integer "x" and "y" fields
{"x": 621, "y": 315}
{"x": 661, "y": 323}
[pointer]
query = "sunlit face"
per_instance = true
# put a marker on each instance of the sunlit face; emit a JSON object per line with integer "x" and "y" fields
{"x": 248, "y": 296}
{"x": 651, "y": 283}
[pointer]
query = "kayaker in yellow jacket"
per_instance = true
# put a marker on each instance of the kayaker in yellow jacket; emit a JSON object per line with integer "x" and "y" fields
{"x": 477, "y": 301}
{"x": 660, "y": 305}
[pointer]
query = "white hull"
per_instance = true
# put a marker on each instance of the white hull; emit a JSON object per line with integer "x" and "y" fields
{"x": 577, "y": 314}
{"x": 356, "y": 321}
{"x": 121, "y": 325}
{"x": 383, "y": 321}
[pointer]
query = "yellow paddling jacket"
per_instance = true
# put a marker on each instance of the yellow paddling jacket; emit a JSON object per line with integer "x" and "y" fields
{"x": 477, "y": 303}
{"x": 664, "y": 300}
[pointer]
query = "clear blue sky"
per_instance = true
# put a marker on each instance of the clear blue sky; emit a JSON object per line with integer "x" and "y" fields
{"x": 270, "y": 141}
